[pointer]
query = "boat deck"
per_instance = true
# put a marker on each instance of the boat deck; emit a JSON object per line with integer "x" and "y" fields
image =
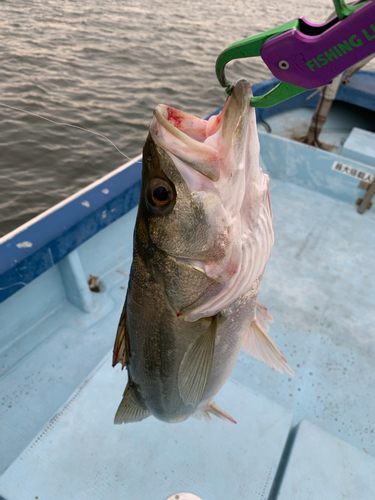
{"x": 318, "y": 287}
{"x": 294, "y": 124}
{"x": 302, "y": 438}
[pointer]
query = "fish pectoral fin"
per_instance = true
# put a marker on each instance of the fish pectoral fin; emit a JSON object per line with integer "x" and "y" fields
{"x": 259, "y": 344}
{"x": 132, "y": 407}
{"x": 196, "y": 366}
{"x": 119, "y": 349}
{"x": 263, "y": 314}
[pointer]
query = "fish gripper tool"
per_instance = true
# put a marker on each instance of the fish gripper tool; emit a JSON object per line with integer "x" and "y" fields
{"x": 304, "y": 55}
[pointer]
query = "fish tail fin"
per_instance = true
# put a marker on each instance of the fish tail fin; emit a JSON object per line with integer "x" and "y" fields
{"x": 132, "y": 408}
{"x": 259, "y": 344}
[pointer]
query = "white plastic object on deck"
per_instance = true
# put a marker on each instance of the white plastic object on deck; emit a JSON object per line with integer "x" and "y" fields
{"x": 184, "y": 496}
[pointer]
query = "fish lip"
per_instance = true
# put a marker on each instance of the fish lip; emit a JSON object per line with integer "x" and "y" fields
{"x": 161, "y": 115}
{"x": 194, "y": 153}
{"x": 245, "y": 86}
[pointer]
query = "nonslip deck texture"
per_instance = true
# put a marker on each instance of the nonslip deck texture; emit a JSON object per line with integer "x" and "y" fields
{"x": 82, "y": 454}
{"x": 322, "y": 467}
{"x": 318, "y": 286}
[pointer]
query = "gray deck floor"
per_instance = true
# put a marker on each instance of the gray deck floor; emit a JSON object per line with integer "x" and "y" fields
{"x": 341, "y": 119}
{"x": 319, "y": 285}
{"x": 82, "y": 455}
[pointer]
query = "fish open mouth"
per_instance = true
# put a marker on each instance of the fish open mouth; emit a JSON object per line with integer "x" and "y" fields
{"x": 202, "y": 144}
{"x": 219, "y": 161}
{"x": 186, "y": 127}
{"x": 184, "y": 136}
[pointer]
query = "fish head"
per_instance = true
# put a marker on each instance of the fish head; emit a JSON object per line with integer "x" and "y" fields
{"x": 204, "y": 197}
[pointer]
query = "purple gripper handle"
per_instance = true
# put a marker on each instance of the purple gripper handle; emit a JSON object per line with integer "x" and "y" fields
{"x": 313, "y": 61}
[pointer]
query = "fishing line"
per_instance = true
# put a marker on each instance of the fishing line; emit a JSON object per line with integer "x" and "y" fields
{"x": 67, "y": 125}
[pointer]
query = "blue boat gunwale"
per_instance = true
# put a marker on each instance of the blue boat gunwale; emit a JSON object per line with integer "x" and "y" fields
{"x": 34, "y": 247}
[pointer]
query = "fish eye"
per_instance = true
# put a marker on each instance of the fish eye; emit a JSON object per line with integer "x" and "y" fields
{"x": 160, "y": 194}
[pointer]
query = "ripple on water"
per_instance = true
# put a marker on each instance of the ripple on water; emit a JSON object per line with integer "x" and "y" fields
{"x": 105, "y": 65}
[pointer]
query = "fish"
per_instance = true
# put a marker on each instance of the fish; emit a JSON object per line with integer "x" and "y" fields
{"x": 202, "y": 239}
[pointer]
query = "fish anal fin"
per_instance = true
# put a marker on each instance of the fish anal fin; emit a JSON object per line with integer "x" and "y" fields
{"x": 218, "y": 412}
{"x": 196, "y": 366}
{"x": 204, "y": 414}
{"x": 131, "y": 408}
{"x": 259, "y": 344}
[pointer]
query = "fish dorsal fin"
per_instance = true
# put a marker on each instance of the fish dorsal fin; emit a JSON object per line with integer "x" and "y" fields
{"x": 122, "y": 336}
{"x": 259, "y": 344}
{"x": 196, "y": 366}
{"x": 132, "y": 408}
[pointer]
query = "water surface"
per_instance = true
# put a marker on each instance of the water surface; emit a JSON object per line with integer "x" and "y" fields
{"x": 104, "y": 66}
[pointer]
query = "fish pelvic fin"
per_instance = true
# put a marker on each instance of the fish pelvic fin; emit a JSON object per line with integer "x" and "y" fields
{"x": 214, "y": 410}
{"x": 196, "y": 366}
{"x": 259, "y": 344}
{"x": 202, "y": 415}
{"x": 132, "y": 408}
{"x": 122, "y": 337}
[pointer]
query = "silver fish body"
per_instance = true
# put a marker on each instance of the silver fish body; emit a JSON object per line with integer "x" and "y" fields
{"x": 202, "y": 238}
